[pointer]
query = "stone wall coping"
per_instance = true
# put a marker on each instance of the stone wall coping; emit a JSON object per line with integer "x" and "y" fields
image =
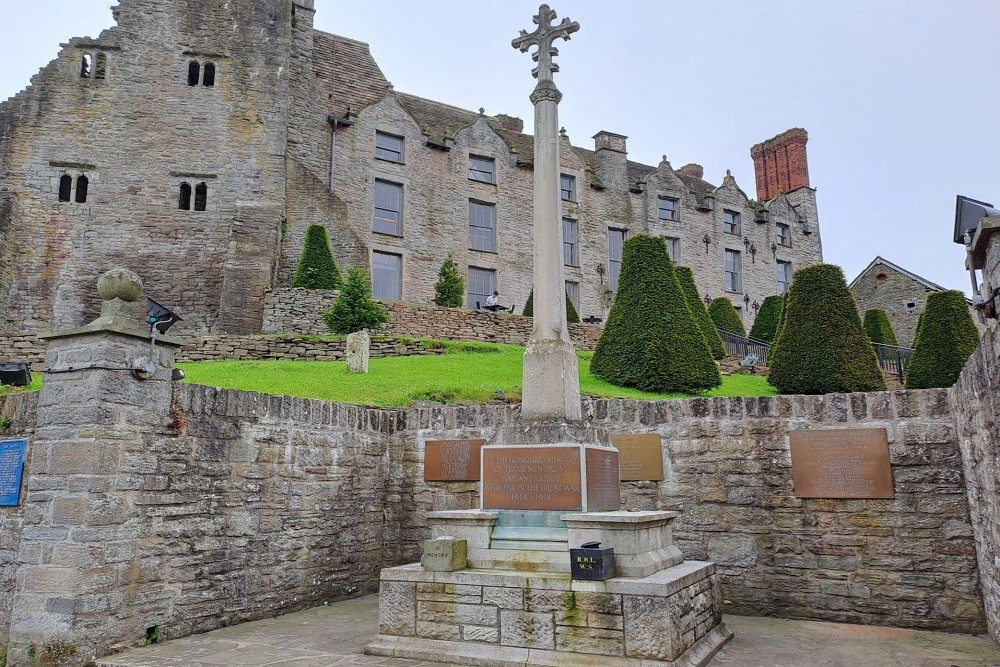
{"x": 981, "y": 239}
{"x": 466, "y": 517}
{"x": 114, "y": 327}
{"x": 621, "y": 517}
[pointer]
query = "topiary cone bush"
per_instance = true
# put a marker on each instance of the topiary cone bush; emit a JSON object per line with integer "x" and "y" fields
{"x": 946, "y": 337}
{"x": 768, "y": 322}
{"x": 876, "y": 324}
{"x": 686, "y": 280}
{"x": 317, "y": 268}
{"x": 572, "y": 317}
{"x": 725, "y": 316}
{"x": 449, "y": 290}
{"x": 354, "y": 309}
{"x": 651, "y": 340}
{"x": 821, "y": 347}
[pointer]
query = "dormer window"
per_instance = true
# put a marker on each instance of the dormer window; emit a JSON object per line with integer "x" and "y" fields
{"x": 669, "y": 208}
{"x": 482, "y": 169}
{"x": 388, "y": 147}
{"x": 731, "y": 222}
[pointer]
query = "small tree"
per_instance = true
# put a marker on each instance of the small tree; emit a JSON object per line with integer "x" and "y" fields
{"x": 572, "y": 317}
{"x": 651, "y": 340}
{"x": 946, "y": 337}
{"x": 877, "y": 327}
{"x": 685, "y": 277}
{"x": 317, "y": 268}
{"x": 449, "y": 290}
{"x": 725, "y": 316}
{"x": 821, "y": 347}
{"x": 354, "y": 309}
{"x": 768, "y": 322}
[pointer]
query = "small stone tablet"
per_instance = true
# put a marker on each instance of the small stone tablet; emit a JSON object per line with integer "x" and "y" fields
{"x": 445, "y": 555}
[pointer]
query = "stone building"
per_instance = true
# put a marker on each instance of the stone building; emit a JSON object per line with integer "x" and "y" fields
{"x": 900, "y": 293}
{"x": 198, "y": 139}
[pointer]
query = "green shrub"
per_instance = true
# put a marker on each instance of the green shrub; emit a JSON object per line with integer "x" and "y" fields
{"x": 572, "y": 317}
{"x": 877, "y": 326}
{"x": 651, "y": 340}
{"x": 821, "y": 347}
{"x": 317, "y": 268}
{"x": 725, "y": 316}
{"x": 946, "y": 337}
{"x": 700, "y": 313}
{"x": 768, "y": 322}
{"x": 354, "y": 309}
{"x": 449, "y": 290}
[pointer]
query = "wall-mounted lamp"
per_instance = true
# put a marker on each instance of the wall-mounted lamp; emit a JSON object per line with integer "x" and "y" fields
{"x": 746, "y": 300}
{"x": 708, "y": 299}
{"x": 600, "y": 272}
{"x": 707, "y": 241}
{"x": 756, "y": 307}
{"x": 753, "y": 254}
{"x": 746, "y": 243}
{"x": 774, "y": 250}
{"x": 159, "y": 318}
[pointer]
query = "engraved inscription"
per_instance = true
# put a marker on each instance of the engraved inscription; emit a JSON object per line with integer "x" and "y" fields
{"x": 640, "y": 457}
{"x": 11, "y": 469}
{"x": 603, "y": 485}
{"x": 841, "y": 463}
{"x": 452, "y": 460}
{"x": 543, "y": 478}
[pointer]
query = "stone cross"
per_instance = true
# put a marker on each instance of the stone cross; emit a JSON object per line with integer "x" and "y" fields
{"x": 550, "y": 382}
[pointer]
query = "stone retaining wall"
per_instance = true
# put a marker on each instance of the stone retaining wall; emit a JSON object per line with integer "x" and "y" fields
{"x": 300, "y": 311}
{"x": 19, "y": 346}
{"x": 293, "y": 348}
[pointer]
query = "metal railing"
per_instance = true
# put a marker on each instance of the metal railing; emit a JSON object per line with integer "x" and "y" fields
{"x": 892, "y": 358}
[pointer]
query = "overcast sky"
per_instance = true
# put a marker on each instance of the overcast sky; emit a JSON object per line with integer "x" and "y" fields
{"x": 899, "y": 96}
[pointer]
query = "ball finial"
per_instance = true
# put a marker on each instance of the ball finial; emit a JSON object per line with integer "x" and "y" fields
{"x": 120, "y": 283}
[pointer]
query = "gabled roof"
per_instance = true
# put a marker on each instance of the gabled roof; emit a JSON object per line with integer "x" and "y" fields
{"x": 881, "y": 260}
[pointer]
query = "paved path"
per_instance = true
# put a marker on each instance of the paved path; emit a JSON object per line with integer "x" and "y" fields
{"x": 335, "y": 636}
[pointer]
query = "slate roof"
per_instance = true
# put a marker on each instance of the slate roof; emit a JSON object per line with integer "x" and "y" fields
{"x": 881, "y": 260}
{"x": 348, "y": 72}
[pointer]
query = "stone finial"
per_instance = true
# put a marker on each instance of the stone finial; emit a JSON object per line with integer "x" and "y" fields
{"x": 562, "y": 132}
{"x": 542, "y": 37}
{"x": 119, "y": 283}
{"x": 729, "y": 180}
{"x": 482, "y": 111}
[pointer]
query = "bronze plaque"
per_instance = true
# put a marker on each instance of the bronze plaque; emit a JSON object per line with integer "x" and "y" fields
{"x": 640, "y": 457}
{"x": 452, "y": 460}
{"x": 841, "y": 463}
{"x": 603, "y": 485}
{"x": 532, "y": 478}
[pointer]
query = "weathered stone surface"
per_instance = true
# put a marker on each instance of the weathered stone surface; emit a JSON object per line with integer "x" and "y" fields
{"x": 397, "y": 608}
{"x": 527, "y": 630}
{"x": 651, "y": 628}
{"x": 357, "y": 352}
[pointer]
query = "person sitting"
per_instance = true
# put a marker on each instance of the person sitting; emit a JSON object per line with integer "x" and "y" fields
{"x": 493, "y": 302}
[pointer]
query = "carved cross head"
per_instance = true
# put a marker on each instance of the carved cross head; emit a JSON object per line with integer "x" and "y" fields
{"x": 542, "y": 37}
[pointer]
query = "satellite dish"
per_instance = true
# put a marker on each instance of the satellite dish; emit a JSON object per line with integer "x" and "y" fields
{"x": 968, "y": 213}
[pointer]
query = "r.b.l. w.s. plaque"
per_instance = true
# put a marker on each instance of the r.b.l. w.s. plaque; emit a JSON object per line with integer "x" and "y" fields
{"x": 452, "y": 460}
{"x": 841, "y": 463}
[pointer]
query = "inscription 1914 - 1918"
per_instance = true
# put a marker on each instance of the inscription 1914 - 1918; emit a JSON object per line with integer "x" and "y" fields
{"x": 841, "y": 463}
{"x": 544, "y": 478}
{"x": 11, "y": 471}
{"x": 452, "y": 460}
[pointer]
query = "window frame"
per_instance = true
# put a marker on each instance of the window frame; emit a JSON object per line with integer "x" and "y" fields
{"x": 474, "y": 171}
{"x": 475, "y": 204}
{"x": 395, "y": 226}
{"x": 572, "y": 289}
{"x": 781, "y": 264}
{"x": 783, "y": 240}
{"x": 733, "y": 272}
{"x": 472, "y": 297}
{"x": 389, "y": 154}
{"x": 673, "y": 248}
{"x": 615, "y": 265}
{"x": 377, "y": 276}
{"x": 567, "y": 193}
{"x": 731, "y": 222}
{"x": 571, "y": 246}
{"x": 675, "y": 212}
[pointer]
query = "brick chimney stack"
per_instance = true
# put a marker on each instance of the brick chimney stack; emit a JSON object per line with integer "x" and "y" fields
{"x": 780, "y": 164}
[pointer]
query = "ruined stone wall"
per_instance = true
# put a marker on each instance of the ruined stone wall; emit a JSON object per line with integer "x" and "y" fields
{"x": 295, "y": 348}
{"x": 908, "y": 562}
{"x": 301, "y": 311}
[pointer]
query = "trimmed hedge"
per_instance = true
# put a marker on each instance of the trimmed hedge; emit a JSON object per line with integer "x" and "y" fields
{"x": 651, "y": 340}
{"x": 768, "y": 322}
{"x": 354, "y": 309}
{"x": 946, "y": 337}
{"x": 685, "y": 278}
{"x": 821, "y": 347}
{"x": 878, "y": 328}
{"x": 317, "y": 269}
{"x": 724, "y": 314}
{"x": 449, "y": 290}
{"x": 572, "y": 317}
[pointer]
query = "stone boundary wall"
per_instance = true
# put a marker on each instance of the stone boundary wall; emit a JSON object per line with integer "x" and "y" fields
{"x": 300, "y": 311}
{"x": 20, "y": 346}
{"x": 907, "y": 562}
{"x": 979, "y": 435}
{"x": 20, "y": 409}
{"x": 293, "y": 348}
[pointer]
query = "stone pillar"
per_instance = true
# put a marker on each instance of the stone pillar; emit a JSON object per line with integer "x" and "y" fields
{"x": 80, "y": 591}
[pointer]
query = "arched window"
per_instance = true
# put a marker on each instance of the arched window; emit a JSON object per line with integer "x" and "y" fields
{"x": 101, "y": 66}
{"x": 194, "y": 72}
{"x": 65, "y": 187}
{"x": 201, "y": 197}
{"x": 209, "y": 79}
{"x": 184, "y": 203}
{"x": 81, "y": 189}
{"x": 86, "y": 65}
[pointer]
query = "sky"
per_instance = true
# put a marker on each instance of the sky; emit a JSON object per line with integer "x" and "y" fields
{"x": 899, "y": 96}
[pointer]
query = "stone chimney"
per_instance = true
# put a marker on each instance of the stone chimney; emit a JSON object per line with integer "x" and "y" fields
{"x": 610, "y": 160}
{"x": 509, "y": 123}
{"x": 693, "y": 170}
{"x": 780, "y": 164}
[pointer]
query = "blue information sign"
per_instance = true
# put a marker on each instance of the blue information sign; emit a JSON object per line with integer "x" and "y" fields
{"x": 11, "y": 471}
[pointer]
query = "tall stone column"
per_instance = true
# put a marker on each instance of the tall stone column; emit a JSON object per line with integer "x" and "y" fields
{"x": 82, "y": 589}
{"x": 551, "y": 378}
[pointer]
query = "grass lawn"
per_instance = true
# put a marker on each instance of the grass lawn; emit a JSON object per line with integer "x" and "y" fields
{"x": 469, "y": 373}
